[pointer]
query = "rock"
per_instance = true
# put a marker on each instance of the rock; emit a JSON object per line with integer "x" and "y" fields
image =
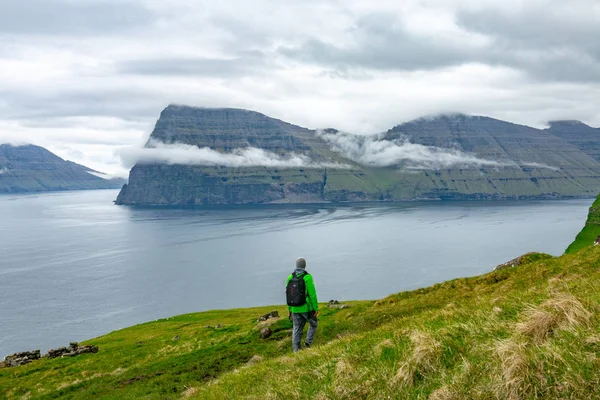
{"x": 73, "y": 350}
{"x": 86, "y": 349}
{"x": 55, "y": 353}
{"x": 18, "y": 359}
{"x": 176, "y": 338}
{"x": 265, "y": 333}
{"x": 597, "y": 241}
{"x": 524, "y": 259}
{"x": 336, "y": 304}
{"x": 219, "y": 326}
{"x": 272, "y": 314}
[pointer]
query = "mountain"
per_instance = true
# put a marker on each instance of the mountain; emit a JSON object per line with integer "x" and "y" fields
{"x": 444, "y": 157}
{"x": 34, "y": 169}
{"x": 580, "y": 135}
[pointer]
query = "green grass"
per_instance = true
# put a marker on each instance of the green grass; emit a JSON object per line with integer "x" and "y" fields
{"x": 590, "y": 231}
{"x": 523, "y": 332}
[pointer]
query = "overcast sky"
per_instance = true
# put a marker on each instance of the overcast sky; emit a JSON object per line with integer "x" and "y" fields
{"x": 86, "y": 77}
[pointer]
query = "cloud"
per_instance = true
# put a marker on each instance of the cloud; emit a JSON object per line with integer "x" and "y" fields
{"x": 68, "y": 17}
{"x": 355, "y": 65}
{"x": 249, "y": 63}
{"x": 377, "y": 152}
{"x": 370, "y": 151}
{"x": 160, "y": 153}
{"x": 537, "y": 165}
{"x": 3, "y": 171}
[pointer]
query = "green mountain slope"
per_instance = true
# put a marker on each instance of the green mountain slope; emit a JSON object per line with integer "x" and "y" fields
{"x": 520, "y": 162}
{"x": 590, "y": 231}
{"x": 530, "y": 331}
{"x": 35, "y": 169}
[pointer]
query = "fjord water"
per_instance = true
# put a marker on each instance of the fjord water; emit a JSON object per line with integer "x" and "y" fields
{"x": 74, "y": 266}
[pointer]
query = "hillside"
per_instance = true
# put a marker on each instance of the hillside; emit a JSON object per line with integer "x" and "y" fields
{"x": 590, "y": 231}
{"x": 529, "y": 331}
{"x": 265, "y": 160}
{"x": 34, "y": 169}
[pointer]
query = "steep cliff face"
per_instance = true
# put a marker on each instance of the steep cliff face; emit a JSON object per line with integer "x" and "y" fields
{"x": 35, "y": 169}
{"x": 546, "y": 165}
{"x": 526, "y": 163}
{"x": 229, "y": 129}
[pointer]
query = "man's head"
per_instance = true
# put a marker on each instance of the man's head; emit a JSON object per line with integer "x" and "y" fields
{"x": 301, "y": 263}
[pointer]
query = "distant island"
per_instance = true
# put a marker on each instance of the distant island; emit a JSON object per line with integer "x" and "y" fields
{"x": 32, "y": 168}
{"x": 209, "y": 156}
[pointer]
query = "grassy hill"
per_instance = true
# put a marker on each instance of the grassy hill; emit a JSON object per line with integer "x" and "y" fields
{"x": 524, "y": 332}
{"x": 590, "y": 231}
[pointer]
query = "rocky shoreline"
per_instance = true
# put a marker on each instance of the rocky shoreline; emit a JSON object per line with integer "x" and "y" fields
{"x": 74, "y": 349}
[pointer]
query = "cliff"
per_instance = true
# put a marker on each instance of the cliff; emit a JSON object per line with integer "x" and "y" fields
{"x": 35, "y": 169}
{"x": 502, "y": 161}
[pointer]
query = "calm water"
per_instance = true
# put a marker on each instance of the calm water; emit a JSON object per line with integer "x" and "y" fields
{"x": 73, "y": 266}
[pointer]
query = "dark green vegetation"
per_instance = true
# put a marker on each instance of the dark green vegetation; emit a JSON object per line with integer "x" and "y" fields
{"x": 35, "y": 169}
{"x": 590, "y": 231}
{"x": 530, "y": 331}
{"x": 559, "y": 162}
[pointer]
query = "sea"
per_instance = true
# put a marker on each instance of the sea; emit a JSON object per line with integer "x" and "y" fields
{"x": 74, "y": 266}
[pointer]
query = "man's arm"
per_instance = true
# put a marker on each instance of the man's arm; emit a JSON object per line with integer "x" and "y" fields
{"x": 312, "y": 293}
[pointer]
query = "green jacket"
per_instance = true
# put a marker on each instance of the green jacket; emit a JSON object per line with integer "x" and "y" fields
{"x": 312, "y": 304}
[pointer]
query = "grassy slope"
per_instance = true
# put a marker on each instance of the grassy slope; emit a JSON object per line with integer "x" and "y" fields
{"x": 590, "y": 231}
{"x": 525, "y": 332}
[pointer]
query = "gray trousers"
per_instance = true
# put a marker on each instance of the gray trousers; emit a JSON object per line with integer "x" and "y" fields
{"x": 299, "y": 321}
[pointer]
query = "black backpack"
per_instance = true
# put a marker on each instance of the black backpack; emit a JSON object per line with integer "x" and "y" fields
{"x": 295, "y": 292}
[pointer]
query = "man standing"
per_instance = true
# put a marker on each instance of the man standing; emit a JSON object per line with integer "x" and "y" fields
{"x": 302, "y": 304}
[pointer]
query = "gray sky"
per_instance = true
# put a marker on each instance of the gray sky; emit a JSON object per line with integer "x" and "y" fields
{"x": 87, "y": 77}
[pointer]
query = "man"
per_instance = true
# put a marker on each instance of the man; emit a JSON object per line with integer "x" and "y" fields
{"x": 307, "y": 312}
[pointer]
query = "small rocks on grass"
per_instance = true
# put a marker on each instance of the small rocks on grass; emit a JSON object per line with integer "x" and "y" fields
{"x": 18, "y": 359}
{"x": 265, "y": 333}
{"x": 272, "y": 314}
{"x": 73, "y": 350}
{"x": 336, "y": 304}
